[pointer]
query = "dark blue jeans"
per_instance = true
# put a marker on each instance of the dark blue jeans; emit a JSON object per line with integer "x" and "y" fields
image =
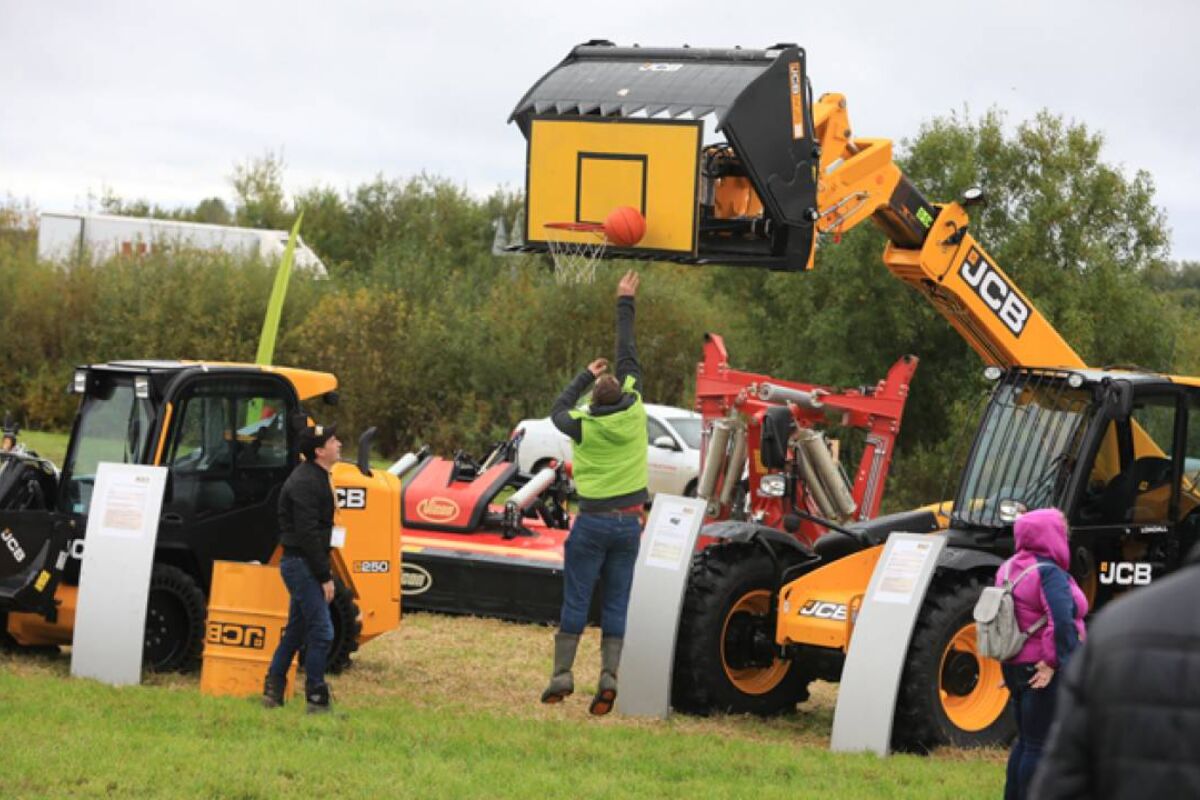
{"x": 1035, "y": 711}
{"x": 309, "y": 624}
{"x": 601, "y": 546}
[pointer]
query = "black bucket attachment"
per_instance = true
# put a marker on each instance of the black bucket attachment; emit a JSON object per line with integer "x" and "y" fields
{"x": 752, "y": 195}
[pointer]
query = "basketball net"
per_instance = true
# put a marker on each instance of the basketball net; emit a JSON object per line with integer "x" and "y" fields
{"x": 575, "y": 261}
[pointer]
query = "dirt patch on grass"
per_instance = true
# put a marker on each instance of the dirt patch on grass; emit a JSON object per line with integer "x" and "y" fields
{"x": 481, "y": 665}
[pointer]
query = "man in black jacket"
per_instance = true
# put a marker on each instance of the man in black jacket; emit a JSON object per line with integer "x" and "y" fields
{"x": 306, "y": 508}
{"x": 1128, "y": 717}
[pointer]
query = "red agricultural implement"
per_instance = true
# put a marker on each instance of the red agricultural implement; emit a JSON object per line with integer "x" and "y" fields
{"x": 484, "y": 538}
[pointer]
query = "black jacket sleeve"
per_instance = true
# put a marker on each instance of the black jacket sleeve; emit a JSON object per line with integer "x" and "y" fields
{"x": 560, "y": 411}
{"x": 627, "y": 358}
{"x": 1066, "y": 765}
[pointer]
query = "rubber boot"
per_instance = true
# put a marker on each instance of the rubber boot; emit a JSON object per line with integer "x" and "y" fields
{"x": 606, "y": 691}
{"x": 562, "y": 682}
{"x": 318, "y": 700}
{"x": 273, "y": 688}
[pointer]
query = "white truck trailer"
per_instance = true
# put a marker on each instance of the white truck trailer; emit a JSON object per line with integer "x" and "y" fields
{"x": 68, "y": 237}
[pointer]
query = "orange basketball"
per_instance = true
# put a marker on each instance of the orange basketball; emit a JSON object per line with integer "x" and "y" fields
{"x": 625, "y": 226}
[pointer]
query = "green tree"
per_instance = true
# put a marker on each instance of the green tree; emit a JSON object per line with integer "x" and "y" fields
{"x": 1077, "y": 235}
{"x": 258, "y": 185}
{"x": 213, "y": 211}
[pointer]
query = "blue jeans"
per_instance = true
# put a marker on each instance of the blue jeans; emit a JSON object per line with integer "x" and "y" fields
{"x": 308, "y": 624}
{"x": 1035, "y": 711}
{"x": 601, "y": 546}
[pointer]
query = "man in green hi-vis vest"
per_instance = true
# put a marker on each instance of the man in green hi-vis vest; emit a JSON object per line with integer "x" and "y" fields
{"x": 609, "y": 441}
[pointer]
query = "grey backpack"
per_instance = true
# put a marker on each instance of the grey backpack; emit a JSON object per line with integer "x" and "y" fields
{"x": 997, "y": 634}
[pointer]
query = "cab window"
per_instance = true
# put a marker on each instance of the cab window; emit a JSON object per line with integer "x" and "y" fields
{"x": 230, "y": 445}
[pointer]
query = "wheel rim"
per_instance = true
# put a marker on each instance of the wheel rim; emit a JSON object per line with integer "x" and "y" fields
{"x": 972, "y": 688}
{"x": 165, "y": 618}
{"x": 751, "y": 680}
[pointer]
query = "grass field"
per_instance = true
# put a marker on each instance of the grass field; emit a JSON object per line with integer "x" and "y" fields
{"x": 443, "y": 707}
{"x": 48, "y": 445}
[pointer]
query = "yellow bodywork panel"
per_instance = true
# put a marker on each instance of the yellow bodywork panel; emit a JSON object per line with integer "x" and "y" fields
{"x": 32, "y": 630}
{"x": 369, "y": 561}
{"x": 819, "y": 608}
{"x": 580, "y": 170}
{"x": 969, "y": 289}
{"x": 308, "y": 383}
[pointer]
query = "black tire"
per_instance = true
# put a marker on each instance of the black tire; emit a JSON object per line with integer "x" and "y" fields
{"x": 175, "y": 612}
{"x": 974, "y": 711}
{"x": 347, "y": 625}
{"x": 7, "y": 643}
{"x": 720, "y": 664}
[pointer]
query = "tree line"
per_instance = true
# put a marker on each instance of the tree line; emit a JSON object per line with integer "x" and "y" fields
{"x": 436, "y": 340}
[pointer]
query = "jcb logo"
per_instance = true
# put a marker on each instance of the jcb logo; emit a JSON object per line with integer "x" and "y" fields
{"x": 352, "y": 497}
{"x": 820, "y": 609}
{"x": 372, "y": 567}
{"x": 994, "y": 291}
{"x": 13, "y": 545}
{"x": 1125, "y": 573}
{"x": 230, "y": 634}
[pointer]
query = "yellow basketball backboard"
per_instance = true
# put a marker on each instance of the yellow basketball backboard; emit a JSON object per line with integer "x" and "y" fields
{"x": 580, "y": 169}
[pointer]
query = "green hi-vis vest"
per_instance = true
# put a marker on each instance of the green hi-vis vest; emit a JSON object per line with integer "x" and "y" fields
{"x": 611, "y": 459}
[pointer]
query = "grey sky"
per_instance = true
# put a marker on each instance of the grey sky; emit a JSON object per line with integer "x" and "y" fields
{"x": 159, "y": 100}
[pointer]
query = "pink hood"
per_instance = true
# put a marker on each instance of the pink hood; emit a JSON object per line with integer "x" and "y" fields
{"x": 1040, "y": 533}
{"x": 1043, "y": 533}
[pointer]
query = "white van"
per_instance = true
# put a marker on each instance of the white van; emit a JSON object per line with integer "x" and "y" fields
{"x": 672, "y": 439}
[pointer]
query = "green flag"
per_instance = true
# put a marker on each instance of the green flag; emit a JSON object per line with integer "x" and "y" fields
{"x": 266, "y": 341}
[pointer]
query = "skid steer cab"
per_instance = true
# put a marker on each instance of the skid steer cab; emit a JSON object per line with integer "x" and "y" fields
{"x": 1117, "y": 451}
{"x": 227, "y": 435}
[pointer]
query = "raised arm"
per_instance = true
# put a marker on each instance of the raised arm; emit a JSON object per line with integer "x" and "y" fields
{"x": 560, "y": 412}
{"x": 627, "y": 358}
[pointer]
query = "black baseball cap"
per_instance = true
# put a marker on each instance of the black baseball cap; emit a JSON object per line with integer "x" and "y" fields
{"x": 315, "y": 436}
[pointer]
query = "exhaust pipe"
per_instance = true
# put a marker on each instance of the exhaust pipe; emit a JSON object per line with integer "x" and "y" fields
{"x": 735, "y": 464}
{"x": 829, "y": 476}
{"x": 714, "y": 464}
{"x": 770, "y": 393}
{"x": 813, "y": 483}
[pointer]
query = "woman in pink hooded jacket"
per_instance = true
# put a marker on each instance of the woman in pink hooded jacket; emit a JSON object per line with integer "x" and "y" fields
{"x": 1046, "y": 592}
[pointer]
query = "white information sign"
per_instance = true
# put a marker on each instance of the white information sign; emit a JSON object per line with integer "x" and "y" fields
{"x": 659, "y": 581}
{"x": 900, "y": 571}
{"x": 114, "y": 578}
{"x": 866, "y": 703}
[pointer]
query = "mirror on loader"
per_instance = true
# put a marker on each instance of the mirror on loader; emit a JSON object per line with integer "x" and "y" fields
{"x": 713, "y": 149}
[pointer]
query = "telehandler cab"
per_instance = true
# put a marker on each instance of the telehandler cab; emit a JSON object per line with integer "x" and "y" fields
{"x": 729, "y": 160}
{"x": 227, "y": 434}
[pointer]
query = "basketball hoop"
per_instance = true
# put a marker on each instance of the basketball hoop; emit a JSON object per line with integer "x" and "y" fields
{"x": 575, "y": 259}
